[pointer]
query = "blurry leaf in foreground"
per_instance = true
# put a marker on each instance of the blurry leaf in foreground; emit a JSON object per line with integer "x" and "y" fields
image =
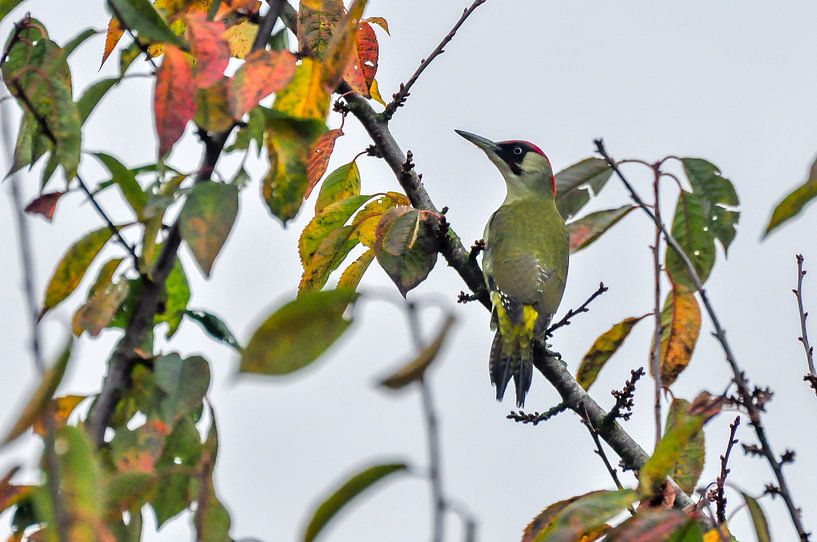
{"x": 416, "y": 368}
{"x": 794, "y": 202}
{"x": 603, "y": 349}
{"x": 214, "y": 327}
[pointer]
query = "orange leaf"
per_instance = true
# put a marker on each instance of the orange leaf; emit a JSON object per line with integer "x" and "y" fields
{"x": 175, "y": 97}
{"x": 61, "y": 409}
{"x": 210, "y": 49}
{"x": 362, "y": 69}
{"x": 681, "y": 322}
{"x": 112, "y": 37}
{"x": 379, "y": 21}
{"x": 341, "y": 50}
{"x": 44, "y": 205}
{"x": 319, "y": 156}
{"x": 262, "y": 73}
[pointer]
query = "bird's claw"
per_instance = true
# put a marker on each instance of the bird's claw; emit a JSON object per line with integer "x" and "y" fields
{"x": 477, "y": 247}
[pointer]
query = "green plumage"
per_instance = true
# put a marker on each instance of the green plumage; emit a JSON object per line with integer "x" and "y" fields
{"x": 525, "y": 265}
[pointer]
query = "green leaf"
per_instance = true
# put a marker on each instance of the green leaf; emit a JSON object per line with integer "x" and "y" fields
{"x": 341, "y": 184}
{"x": 92, "y": 96}
{"x": 602, "y": 350}
{"x": 573, "y": 182}
{"x": 691, "y": 532}
{"x": 36, "y": 405}
{"x": 715, "y": 193}
{"x": 416, "y": 368}
{"x": 325, "y": 222}
{"x": 214, "y": 327}
{"x": 185, "y": 381}
{"x": 758, "y": 518}
{"x": 6, "y": 6}
{"x": 651, "y": 525}
{"x": 127, "y": 489}
{"x": 206, "y": 220}
{"x": 690, "y": 227}
{"x": 589, "y": 228}
{"x": 585, "y": 514}
{"x": 176, "y": 295}
{"x": 141, "y": 17}
{"x": 72, "y": 268}
{"x": 126, "y": 180}
{"x": 351, "y": 275}
{"x": 288, "y": 143}
{"x": 139, "y": 449}
{"x": 296, "y": 334}
{"x": 406, "y": 247}
{"x": 794, "y": 202}
{"x": 690, "y": 462}
{"x": 345, "y": 494}
{"x": 669, "y": 451}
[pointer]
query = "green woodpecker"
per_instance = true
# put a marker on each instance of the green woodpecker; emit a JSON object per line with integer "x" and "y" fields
{"x": 524, "y": 262}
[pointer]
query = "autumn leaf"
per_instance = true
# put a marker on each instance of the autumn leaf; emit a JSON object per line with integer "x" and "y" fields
{"x": 341, "y": 184}
{"x": 44, "y": 205}
{"x": 351, "y": 276}
{"x": 654, "y": 525}
{"x": 11, "y": 494}
{"x": 305, "y": 96}
{"x": 319, "y": 156}
{"x": 262, "y": 73}
{"x": 61, "y": 409}
{"x": 416, "y": 368}
{"x": 316, "y": 22}
{"x": 288, "y": 142}
{"x": 680, "y": 327}
{"x": 342, "y": 48}
{"x": 328, "y": 256}
{"x": 587, "y": 229}
{"x": 138, "y": 450}
{"x": 579, "y": 516}
{"x": 210, "y": 50}
{"x": 213, "y": 107}
{"x": 174, "y": 98}
{"x": 240, "y": 37}
{"x": 112, "y": 36}
{"x": 100, "y": 308}
{"x": 324, "y": 223}
{"x": 602, "y": 350}
{"x": 362, "y": 69}
{"x": 367, "y": 220}
{"x": 72, "y": 268}
{"x": 379, "y": 21}
{"x": 343, "y": 495}
{"x": 141, "y": 17}
{"x": 206, "y": 220}
{"x": 406, "y": 247}
{"x": 296, "y": 334}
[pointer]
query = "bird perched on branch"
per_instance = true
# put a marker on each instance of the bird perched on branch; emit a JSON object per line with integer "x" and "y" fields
{"x": 525, "y": 260}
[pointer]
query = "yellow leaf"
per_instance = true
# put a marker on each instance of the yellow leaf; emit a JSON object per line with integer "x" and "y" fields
{"x": 681, "y": 325}
{"x": 240, "y": 38}
{"x": 305, "y": 96}
{"x": 374, "y": 90}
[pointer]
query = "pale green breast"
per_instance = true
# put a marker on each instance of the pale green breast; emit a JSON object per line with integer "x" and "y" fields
{"x": 526, "y": 253}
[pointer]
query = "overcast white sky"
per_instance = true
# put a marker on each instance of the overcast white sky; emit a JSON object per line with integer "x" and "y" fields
{"x": 730, "y": 81}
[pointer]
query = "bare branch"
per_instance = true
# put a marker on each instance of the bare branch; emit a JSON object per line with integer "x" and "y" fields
{"x": 399, "y": 98}
{"x": 655, "y": 361}
{"x": 565, "y": 321}
{"x": 267, "y": 24}
{"x": 746, "y": 396}
{"x": 537, "y": 417}
{"x": 624, "y": 398}
{"x": 720, "y": 497}
{"x": 811, "y": 377}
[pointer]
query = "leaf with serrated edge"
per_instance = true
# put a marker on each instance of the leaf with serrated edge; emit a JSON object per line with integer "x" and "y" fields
{"x": 328, "y": 220}
{"x": 342, "y": 496}
{"x": 680, "y": 327}
{"x": 296, "y": 334}
{"x": 416, "y": 368}
{"x": 602, "y": 350}
{"x": 141, "y": 17}
{"x": 319, "y": 155}
{"x": 305, "y": 96}
{"x": 351, "y": 276}
{"x": 342, "y": 183}
{"x": 342, "y": 47}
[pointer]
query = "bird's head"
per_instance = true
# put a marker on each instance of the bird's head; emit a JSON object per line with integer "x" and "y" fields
{"x": 525, "y": 168}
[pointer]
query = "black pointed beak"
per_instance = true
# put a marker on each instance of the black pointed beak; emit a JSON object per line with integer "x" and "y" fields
{"x": 483, "y": 143}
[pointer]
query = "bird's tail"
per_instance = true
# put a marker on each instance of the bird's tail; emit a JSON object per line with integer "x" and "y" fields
{"x": 508, "y": 361}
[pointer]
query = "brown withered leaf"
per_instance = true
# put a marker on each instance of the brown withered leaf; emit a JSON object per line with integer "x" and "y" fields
{"x": 44, "y": 205}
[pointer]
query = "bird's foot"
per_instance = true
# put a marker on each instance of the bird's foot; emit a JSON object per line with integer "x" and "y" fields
{"x": 466, "y": 298}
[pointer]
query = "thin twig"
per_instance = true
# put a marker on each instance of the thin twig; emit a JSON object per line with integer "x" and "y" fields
{"x": 537, "y": 417}
{"x": 438, "y": 501}
{"x": 623, "y": 408}
{"x": 565, "y": 321}
{"x": 720, "y": 497}
{"x": 35, "y": 343}
{"x": 747, "y": 399}
{"x": 656, "y": 337}
{"x": 600, "y": 452}
{"x": 811, "y": 377}
{"x": 399, "y": 98}
{"x": 267, "y": 24}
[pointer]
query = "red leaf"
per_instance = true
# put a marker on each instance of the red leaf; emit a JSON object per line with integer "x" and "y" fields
{"x": 262, "y": 73}
{"x": 45, "y": 205}
{"x": 319, "y": 156}
{"x": 175, "y": 97}
{"x": 210, "y": 49}
{"x": 362, "y": 70}
{"x": 112, "y": 37}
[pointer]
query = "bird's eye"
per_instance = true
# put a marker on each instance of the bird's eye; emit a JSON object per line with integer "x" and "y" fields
{"x": 517, "y": 151}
